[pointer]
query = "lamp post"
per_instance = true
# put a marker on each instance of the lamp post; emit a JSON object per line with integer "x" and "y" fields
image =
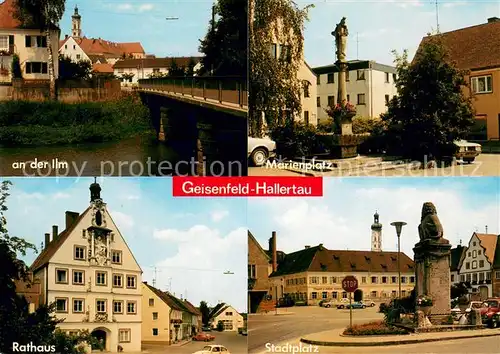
{"x": 399, "y": 225}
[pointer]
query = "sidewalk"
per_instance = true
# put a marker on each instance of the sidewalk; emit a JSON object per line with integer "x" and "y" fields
{"x": 281, "y": 311}
{"x": 334, "y": 338}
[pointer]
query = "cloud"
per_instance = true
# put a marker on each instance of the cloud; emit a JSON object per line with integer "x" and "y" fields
{"x": 218, "y": 215}
{"x": 454, "y": 4}
{"x": 125, "y": 7}
{"x": 138, "y": 8}
{"x": 146, "y": 7}
{"x": 122, "y": 220}
{"x": 61, "y": 195}
{"x": 409, "y": 3}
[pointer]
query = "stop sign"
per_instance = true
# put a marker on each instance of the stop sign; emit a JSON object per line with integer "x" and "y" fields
{"x": 350, "y": 284}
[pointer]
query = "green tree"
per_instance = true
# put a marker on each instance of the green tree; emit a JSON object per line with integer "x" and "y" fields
{"x": 205, "y": 313}
{"x": 69, "y": 69}
{"x": 220, "y": 326}
{"x": 431, "y": 109}
{"x": 275, "y": 89}
{"x": 17, "y": 324}
{"x": 226, "y": 42}
{"x": 44, "y": 15}
{"x": 175, "y": 70}
{"x": 458, "y": 290}
{"x": 190, "y": 67}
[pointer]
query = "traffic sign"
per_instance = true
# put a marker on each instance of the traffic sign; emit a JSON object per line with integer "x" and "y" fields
{"x": 350, "y": 284}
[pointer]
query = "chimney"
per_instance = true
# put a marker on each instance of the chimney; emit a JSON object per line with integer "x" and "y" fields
{"x": 274, "y": 251}
{"x": 71, "y": 217}
{"x": 306, "y": 247}
{"x": 47, "y": 239}
{"x": 55, "y": 232}
{"x": 493, "y": 19}
{"x": 66, "y": 37}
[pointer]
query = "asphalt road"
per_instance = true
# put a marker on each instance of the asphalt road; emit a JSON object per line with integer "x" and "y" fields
{"x": 234, "y": 342}
{"x": 299, "y": 321}
{"x": 484, "y": 165}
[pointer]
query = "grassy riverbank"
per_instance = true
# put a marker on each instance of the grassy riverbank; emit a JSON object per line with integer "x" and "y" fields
{"x": 24, "y": 123}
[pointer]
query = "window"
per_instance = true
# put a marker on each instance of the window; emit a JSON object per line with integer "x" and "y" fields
{"x": 100, "y": 306}
{"x": 324, "y": 295}
{"x": 78, "y": 277}
{"x": 474, "y": 277}
{"x": 387, "y": 77}
{"x": 77, "y": 305}
{"x": 348, "y": 98}
{"x": 131, "y": 307}
{"x": 361, "y": 98}
{"x": 363, "y": 280}
{"x": 481, "y": 264}
{"x": 479, "y": 252}
{"x": 467, "y": 265}
{"x": 151, "y": 302}
{"x": 131, "y": 281}
{"x": 474, "y": 264}
{"x": 412, "y": 279}
{"x": 314, "y": 295}
{"x": 481, "y": 276}
{"x": 61, "y": 276}
{"x": 27, "y": 41}
{"x": 373, "y": 294}
{"x": 384, "y": 280}
{"x": 497, "y": 275}
{"x": 273, "y": 50}
{"x": 62, "y": 305}
{"x": 116, "y": 257}
{"x": 462, "y": 278}
{"x": 306, "y": 89}
{"x": 331, "y": 101}
{"x": 470, "y": 254}
{"x": 318, "y": 80}
{"x": 74, "y": 46}
{"x": 394, "y": 77}
{"x": 117, "y": 281}
{"x": 488, "y": 276}
{"x": 117, "y": 306}
{"x": 78, "y": 57}
{"x": 79, "y": 253}
{"x": 474, "y": 254}
{"x": 124, "y": 335}
{"x": 314, "y": 280}
{"x": 374, "y": 280}
{"x": 453, "y": 277}
{"x": 469, "y": 278}
{"x": 361, "y": 74}
{"x": 252, "y": 271}
{"x": 229, "y": 313}
{"x": 481, "y": 84}
{"x": 155, "y": 331}
{"x": 155, "y": 315}
{"x": 344, "y": 295}
{"x": 324, "y": 280}
{"x": 394, "y": 293}
{"x": 65, "y": 46}
{"x": 306, "y": 120}
{"x": 36, "y": 68}
{"x": 403, "y": 280}
{"x": 4, "y": 43}
{"x": 387, "y": 99}
{"x": 403, "y": 293}
{"x": 394, "y": 280}
{"x": 474, "y": 243}
{"x": 330, "y": 78}
{"x": 36, "y": 41}
{"x": 333, "y": 280}
{"x": 318, "y": 101}
{"x": 100, "y": 278}
{"x": 285, "y": 53}
{"x": 334, "y": 295}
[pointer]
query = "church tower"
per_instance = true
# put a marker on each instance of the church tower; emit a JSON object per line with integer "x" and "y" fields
{"x": 76, "y": 19}
{"x": 376, "y": 234}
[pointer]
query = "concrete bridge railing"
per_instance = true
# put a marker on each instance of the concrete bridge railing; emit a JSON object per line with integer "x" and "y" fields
{"x": 222, "y": 90}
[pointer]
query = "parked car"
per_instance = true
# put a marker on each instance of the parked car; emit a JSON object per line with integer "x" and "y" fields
{"x": 356, "y": 305}
{"x": 216, "y": 348}
{"x": 244, "y": 332}
{"x": 467, "y": 151}
{"x": 368, "y": 303}
{"x": 206, "y": 329}
{"x": 203, "y": 337}
{"x": 260, "y": 150}
{"x": 489, "y": 311}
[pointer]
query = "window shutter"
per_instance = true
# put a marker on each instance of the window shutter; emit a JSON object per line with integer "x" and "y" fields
{"x": 28, "y": 41}
{"x": 11, "y": 40}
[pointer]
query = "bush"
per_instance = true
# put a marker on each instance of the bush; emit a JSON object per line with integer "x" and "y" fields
{"x": 220, "y": 326}
{"x": 296, "y": 140}
{"x": 300, "y": 303}
{"x": 47, "y": 123}
{"x": 373, "y": 328}
{"x": 362, "y": 125}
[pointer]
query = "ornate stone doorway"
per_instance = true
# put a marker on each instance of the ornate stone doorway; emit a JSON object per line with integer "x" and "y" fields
{"x": 101, "y": 335}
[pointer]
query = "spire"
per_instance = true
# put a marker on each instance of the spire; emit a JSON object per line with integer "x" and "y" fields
{"x": 376, "y": 233}
{"x": 95, "y": 191}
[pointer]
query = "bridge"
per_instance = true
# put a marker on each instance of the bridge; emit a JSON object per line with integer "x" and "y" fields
{"x": 204, "y": 118}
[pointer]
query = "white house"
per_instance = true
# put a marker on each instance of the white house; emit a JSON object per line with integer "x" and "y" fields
{"x": 476, "y": 266}
{"x": 139, "y": 69}
{"x": 29, "y": 44}
{"x": 91, "y": 275}
{"x": 228, "y": 315}
{"x": 370, "y": 86}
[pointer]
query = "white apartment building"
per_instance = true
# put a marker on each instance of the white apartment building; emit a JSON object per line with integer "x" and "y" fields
{"x": 91, "y": 275}
{"x": 370, "y": 86}
{"x": 228, "y": 315}
{"x": 29, "y": 44}
{"x": 476, "y": 266}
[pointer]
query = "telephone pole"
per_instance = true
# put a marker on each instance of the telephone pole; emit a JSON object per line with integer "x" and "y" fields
{"x": 156, "y": 271}
{"x": 357, "y": 46}
{"x": 437, "y": 15}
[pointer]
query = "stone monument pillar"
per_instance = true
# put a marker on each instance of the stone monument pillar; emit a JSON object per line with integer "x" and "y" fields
{"x": 432, "y": 261}
{"x": 341, "y": 32}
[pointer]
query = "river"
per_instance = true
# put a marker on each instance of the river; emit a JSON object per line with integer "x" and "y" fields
{"x": 139, "y": 156}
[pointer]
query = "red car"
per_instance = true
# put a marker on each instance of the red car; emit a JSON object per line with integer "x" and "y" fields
{"x": 203, "y": 337}
{"x": 489, "y": 311}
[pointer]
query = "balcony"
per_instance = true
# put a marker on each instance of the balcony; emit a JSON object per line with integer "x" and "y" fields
{"x": 7, "y": 52}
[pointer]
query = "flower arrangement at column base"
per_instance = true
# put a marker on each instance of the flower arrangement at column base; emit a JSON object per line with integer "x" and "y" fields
{"x": 342, "y": 115}
{"x": 424, "y": 304}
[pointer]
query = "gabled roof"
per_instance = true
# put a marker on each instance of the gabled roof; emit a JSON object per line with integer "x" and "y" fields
{"x": 456, "y": 256}
{"x": 264, "y": 252}
{"x": 98, "y": 46}
{"x": 50, "y": 249}
{"x": 217, "y": 309}
{"x": 320, "y": 259}
{"x": 489, "y": 243}
{"x": 171, "y": 300}
{"x": 154, "y": 62}
{"x": 192, "y": 308}
{"x": 476, "y": 47}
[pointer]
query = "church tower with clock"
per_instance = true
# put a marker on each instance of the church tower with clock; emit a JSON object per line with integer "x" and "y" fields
{"x": 376, "y": 234}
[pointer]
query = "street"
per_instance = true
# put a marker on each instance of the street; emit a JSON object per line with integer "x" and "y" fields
{"x": 295, "y": 322}
{"x": 234, "y": 342}
{"x": 484, "y": 165}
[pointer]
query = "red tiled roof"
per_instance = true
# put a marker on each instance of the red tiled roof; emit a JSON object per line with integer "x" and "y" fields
{"x": 50, "y": 249}
{"x": 473, "y": 47}
{"x": 489, "y": 243}
{"x": 7, "y": 19}
{"x": 103, "y": 68}
{"x": 101, "y": 46}
{"x": 154, "y": 62}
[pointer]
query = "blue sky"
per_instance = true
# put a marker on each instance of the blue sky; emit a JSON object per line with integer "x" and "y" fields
{"x": 192, "y": 242}
{"x": 380, "y": 26}
{"x": 342, "y": 218}
{"x": 144, "y": 21}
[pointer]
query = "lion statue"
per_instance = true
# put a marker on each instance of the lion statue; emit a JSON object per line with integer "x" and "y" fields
{"x": 430, "y": 227}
